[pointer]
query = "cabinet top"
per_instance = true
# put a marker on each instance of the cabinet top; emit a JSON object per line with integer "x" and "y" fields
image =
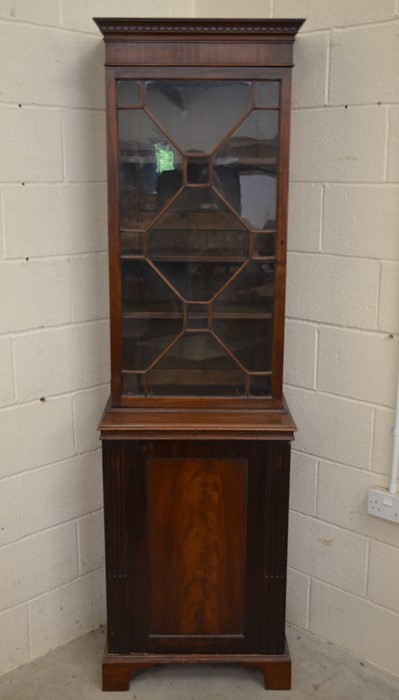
{"x": 117, "y": 27}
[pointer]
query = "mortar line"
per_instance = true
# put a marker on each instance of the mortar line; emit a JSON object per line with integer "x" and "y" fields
{"x": 313, "y": 577}
{"x": 35, "y": 598}
{"x": 365, "y": 536}
{"x": 323, "y": 521}
{"x": 18, "y": 333}
{"x": 60, "y": 256}
{"x": 343, "y": 397}
{"x": 54, "y": 463}
{"x": 62, "y": 395}
{"x": 51, "y": 27}
{"x": 46, "y": 107}
{"x": 371, "y": 23}
{"x": 338, "y": 463}
{"x": 48, "y": 528}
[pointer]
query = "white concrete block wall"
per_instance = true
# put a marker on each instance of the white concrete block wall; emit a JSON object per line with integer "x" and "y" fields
{"x": 343, "y": 316}
{"x": 343, "y": 290}
{"x": 54, "y": 345}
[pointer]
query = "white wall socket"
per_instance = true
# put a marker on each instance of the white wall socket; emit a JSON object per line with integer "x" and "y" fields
{"x": 383, "y": 504}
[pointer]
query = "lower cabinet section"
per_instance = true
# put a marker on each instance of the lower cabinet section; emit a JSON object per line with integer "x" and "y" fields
{"x": 196, "y": 541}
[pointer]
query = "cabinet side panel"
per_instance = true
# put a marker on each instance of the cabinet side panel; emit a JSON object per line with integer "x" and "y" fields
{"x": 113, "y": 236}
{"x": 281, "y": 236}
{"x": 197, "y": 531}
{"x": 116, "y": 546}
{"x": 277, "y": 475}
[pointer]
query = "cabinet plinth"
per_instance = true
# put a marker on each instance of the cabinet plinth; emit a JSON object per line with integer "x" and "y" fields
{"x": 196, "y": 435}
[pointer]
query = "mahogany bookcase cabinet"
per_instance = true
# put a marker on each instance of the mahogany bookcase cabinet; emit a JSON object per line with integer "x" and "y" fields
{"x": 196, "y": 435}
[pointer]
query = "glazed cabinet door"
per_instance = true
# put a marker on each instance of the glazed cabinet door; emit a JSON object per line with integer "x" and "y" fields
{"x": 198, "y": 239}
{"x": 196, "y": 546}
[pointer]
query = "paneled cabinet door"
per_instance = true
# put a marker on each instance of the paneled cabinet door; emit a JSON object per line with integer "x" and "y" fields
{"x": 196, "y": 546}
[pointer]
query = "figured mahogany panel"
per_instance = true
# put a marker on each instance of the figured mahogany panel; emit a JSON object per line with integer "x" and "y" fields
{"x": 197, "y": 530}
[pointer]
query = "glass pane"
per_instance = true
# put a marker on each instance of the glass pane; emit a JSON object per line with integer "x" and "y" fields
{"x": 197, "y": 316}
{"x": 133, "y": 384}
{"x": 251, "y": 292}
{"x": 150, "y": 169}
{"x": 197, "y": 171}
{"x": 128, "y": 92}
{"x": 267, "y": 93}
{"x": 245, "y": 169}
{"x": 144, "y": 291}
{"x": 263, "y": 244}
{"x": 198, "y": 225}
{"x": 143, "y": 339}
{"x": 196, "y": 366}
{"x": 197, "y": 281}
{"x": 260, "y": 386}
{"x": 132, "y": 242}
{"x": 197, "y": 114}
{"x": 250, "y": 341}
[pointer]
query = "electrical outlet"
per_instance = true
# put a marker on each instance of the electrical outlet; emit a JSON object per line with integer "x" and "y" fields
{"x": 384, "y": 504}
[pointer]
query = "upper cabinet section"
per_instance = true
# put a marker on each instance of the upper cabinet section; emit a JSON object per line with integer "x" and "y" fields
{"x": 198, "y": 131}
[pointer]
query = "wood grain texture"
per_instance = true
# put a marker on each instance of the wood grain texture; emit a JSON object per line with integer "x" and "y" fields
{"x": 162, "y": 49}
{"x": 118, "y": 669}
{"x": 197, "y": 530}
{"x": 168, "y": 423}
{"x": 196, "y": 487}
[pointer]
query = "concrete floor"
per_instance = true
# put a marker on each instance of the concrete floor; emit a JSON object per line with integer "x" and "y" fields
{"x": 320, "y": 670}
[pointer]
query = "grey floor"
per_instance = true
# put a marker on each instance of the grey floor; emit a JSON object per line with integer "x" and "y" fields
{"x": 320, "y": 670}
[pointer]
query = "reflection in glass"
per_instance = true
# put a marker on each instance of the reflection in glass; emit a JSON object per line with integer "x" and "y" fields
{"x": 250, "y": 341}
{"x": 128, "y": 92}
{"x": 133, "y": 384}
{"x": 197, "y": 316}
{"x": 197, "y": 114}
{"x": 143, "y": 339}
{"x": 198, "y": 225}
{"x": 245, "y": 169}
{"x": 143, "y": 290}
{"x": 197, "y": 281}
{"x": 150, "y": 169}
{"x": 263, "y": 244}
{"x": 132, "y": 242}
{"x": 251, "y": 292}
{"x": 260, "y": 386}
{"x": 197, "y": 171}
{"x": 196, "y": 365}
{"x": 267, "y": 93}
